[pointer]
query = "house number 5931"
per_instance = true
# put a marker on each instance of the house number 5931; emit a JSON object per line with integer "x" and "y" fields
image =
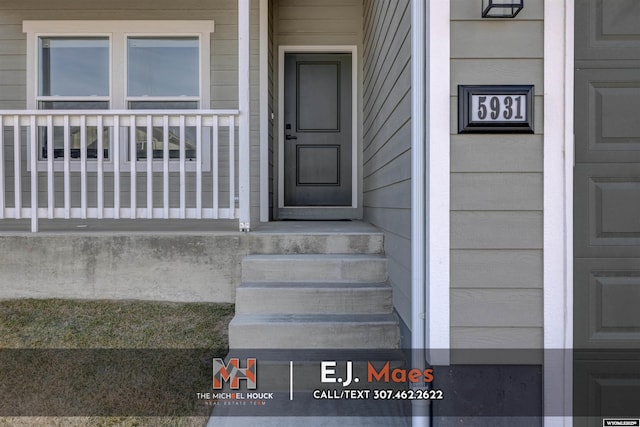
{"x": 495, "y": 108}
{"x": 498, "y": 108}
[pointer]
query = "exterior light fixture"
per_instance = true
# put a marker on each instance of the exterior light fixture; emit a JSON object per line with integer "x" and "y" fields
{"x": 501, "y": 8}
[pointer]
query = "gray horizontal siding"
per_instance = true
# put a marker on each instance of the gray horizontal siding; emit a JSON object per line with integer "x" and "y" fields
{"x": 478, "y": 154}
{"x": 496, "y": 338}
{"x": 484, "y": 71}
{"x": 12, "y": 64}
{"x": 11, "y": 78}
{"x": 399, "y": 170}
{"x": 306, "y": 22}
{"x": 491, "y": 269}
{"x": 11, "y": 46}
{"x": 496, "y": 188}
{"x": 81, "y": 5}
{"x": 292, "y": 11}
{"x": 496, "y": 191}
{"x": 496, "y": 39}
{"x": 495, "y": 307}
{"x": 387, "y": 137}
{"x": 496, "y": 230}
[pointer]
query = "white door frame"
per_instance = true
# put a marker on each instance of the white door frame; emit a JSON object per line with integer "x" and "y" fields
{"x": 558, "y": 211}
{"x": 353, "y": 50}
{"x": 264, "y": 110}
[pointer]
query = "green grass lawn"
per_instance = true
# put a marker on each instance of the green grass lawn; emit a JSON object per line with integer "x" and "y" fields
{"x": 140, "y": 355}
{"x": 112, "y": 324}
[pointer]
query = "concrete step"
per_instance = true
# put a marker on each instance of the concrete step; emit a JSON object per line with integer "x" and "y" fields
{"x": 314, "y": 268}
{"x": 297, "y": 331}
{"x": 313, "y": 298}
{"x": 317, "y": 243}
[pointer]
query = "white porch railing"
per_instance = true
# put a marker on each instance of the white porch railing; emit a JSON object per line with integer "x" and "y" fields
{"x": 71, "y": 164}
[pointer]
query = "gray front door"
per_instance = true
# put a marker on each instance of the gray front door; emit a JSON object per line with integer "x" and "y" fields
{"x": 318, "y": 133}
{"x": 607, "y": 210}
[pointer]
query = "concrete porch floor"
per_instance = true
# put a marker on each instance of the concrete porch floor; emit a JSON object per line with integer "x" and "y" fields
{"x": 178, "y": 226}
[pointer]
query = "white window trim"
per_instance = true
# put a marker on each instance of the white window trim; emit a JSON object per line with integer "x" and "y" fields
{"x": 117, "y": 32}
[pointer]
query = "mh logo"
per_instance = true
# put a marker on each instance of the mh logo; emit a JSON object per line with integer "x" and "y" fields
{"x": 233, "y": 373}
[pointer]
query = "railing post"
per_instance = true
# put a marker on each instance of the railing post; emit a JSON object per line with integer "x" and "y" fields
{"x": 116, "y": 167}
{"x": 165, "y": 166}
{"x": 215, "y": 168}
{"x": 244, "y": 98}
{"x": 67, "y": 167}
{"x": 83, "y": 167}
{"x": 17, "y": 162}
{"x": 2, "y": 199}
{"x": 51, "y": 203}
{"x": 133, "y": 159}
{"x": 33, "y": 147}
{"x": 100, "y": 168}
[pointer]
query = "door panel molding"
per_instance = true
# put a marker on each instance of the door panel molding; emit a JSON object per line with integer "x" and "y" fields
{"x": 329, "y": 177}
{"x": 305, "y": 117}
{"x": 325, "y": 212}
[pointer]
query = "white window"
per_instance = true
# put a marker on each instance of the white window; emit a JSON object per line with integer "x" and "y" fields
{"x": 118, "y": 65}
{"x": 73, "y": 74}
{"x": 162, "y": 73}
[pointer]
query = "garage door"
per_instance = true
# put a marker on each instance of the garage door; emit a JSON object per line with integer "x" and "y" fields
{"x": 607, "y": 210}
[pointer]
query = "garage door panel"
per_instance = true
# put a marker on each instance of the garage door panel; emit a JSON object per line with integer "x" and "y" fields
{"x": 608, "y": 387}
{"x": 608, "y": 308}
{"x": 607, "y": 30}
{"x": 610, "y": 100}
{"x": 607, "y": 210}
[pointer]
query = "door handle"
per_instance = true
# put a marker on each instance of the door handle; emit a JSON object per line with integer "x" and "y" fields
{"x": 288, "y": 135}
